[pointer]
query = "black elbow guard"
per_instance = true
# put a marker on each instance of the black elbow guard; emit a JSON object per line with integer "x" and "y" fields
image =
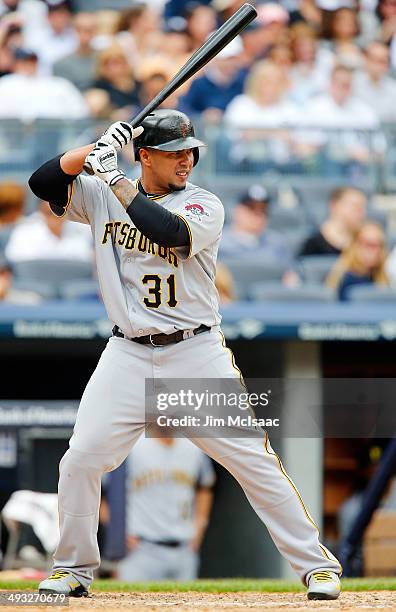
{"x": 51, "y": 183}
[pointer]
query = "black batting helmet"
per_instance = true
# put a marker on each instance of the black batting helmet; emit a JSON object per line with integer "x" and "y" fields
{"x": 167, "y": 130}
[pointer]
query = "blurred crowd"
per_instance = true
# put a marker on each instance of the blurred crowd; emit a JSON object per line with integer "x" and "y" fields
{"x": 326, "y": 62}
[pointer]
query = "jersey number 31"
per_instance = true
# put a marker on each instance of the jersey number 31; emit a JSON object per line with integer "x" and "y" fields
{"x": 155, "y": 284}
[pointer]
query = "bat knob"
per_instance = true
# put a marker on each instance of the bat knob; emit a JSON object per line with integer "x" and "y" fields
{"x": 88, "y": 168}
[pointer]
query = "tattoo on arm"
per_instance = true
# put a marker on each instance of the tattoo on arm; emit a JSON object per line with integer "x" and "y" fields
{"x": 125, "y": 192}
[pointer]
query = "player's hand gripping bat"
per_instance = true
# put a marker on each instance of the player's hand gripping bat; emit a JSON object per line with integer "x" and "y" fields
{"x": 211, "y": 47}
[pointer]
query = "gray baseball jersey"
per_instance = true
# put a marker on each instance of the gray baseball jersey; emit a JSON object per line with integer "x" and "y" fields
{"x": 146, "y": 288}
{"x": 162, "y": 481}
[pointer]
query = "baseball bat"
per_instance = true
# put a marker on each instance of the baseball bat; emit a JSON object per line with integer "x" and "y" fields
{"x": 210, "y": 48}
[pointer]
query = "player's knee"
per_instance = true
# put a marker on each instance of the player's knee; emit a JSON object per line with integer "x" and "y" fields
{"x": 74, "y": 462}
{"x": 79, "y": 482}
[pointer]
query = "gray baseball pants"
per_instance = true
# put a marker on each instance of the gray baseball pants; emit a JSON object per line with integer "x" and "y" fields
{"x": 111, "y": 418}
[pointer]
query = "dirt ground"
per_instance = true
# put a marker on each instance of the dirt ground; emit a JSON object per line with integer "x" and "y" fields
{"x": 228, "y": 602}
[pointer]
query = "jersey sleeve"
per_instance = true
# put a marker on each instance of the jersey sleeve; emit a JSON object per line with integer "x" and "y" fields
{"x": 83, "y": 193}
{"x": 207, "y": 476}
{"x": 203, "y": 215}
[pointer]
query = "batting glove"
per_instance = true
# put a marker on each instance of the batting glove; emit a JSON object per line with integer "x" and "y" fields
{"x": 120, "y": 133}
{"x": 104, "y": 164}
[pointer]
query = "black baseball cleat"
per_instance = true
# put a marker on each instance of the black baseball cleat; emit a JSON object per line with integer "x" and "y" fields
{"x": 323, "y": 585}
{"x": 63, "y": 583}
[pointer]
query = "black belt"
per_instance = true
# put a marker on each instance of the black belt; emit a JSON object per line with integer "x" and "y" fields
{"x": 169, "y": 543}
{"x": 162, "y": 339}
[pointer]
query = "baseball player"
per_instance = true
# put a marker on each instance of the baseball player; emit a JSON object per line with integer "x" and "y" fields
{"x": 156, "y": 243}
{"x": 169, "y": 498}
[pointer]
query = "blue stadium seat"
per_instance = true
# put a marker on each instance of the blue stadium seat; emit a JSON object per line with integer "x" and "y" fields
{"x": 371, "y": 293}
{"x": 247, "y": 271}
{"x": 315, "y": 268}
{"x": 45, "y": 290}
{"x": 295, "y": 238}
{"x": 275, "y": 292}
{"x": 281, "y": 219}
{"x": 80, "y": 289}
{"x": 52, "y": 271}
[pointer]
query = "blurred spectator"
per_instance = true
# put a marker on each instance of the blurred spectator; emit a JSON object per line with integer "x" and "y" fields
{"x": 8, "y": 6}
{"x": 176, "y": 43}
{"x": 26, "y": 95}
{"x": 10, "y": 294}
{"x": 30, "y": 14}
{"x": 152, "y": 85}
{"x": 139, "y": 32}
{"x": 386, "y": 13}
{"x": 10, "y": 37}
{"x": 224, "y": 284}
{"x": 226, "y": 8}
{"x": 248, "y": 232}
{"x": 374, "y": 85}
{"x": 312, "y": 64}
{"x": 281, "y": 55}
{"x": 347, "y": 212}
{"x": 169, "y": 500}
{"x": 345, "y": 148}
{"x": 79, "y": 67}
{"x": 307, "y": 11}
{"x": 176, "y": 8}
{"x": 57, "y": 38}
{"x": 339, "y": 108}
{"x": 44, "y": 236}
{"x": 115, "y": 76}
{"x": 222, "y": 81}
{"x": 268, "y": 30}
{"x": 12, "y": 202}
{"x": 201, "y": 22}
{"x": 264, "y": 103}
{"x": 362, "y": 263}
{"x": 342, "y": 30}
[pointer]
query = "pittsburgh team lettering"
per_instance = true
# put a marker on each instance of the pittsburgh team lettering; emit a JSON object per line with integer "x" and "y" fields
{"x": 131, "y": 239}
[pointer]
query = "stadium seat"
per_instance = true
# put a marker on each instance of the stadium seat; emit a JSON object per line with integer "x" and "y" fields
{"x": 80, "y": 289}
{"x": 247, "y": 271}
{"x": 52, "y": 270}
{"x": 281, "y": 219}
{"x": 295, "y": 238}
{"x": 42, "y": 288}
{"x": 275, "y": 292}
{"x": 371, "y": 293}
{"x": 315, "y": 268}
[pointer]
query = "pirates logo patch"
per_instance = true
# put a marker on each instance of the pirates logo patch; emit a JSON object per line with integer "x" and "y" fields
{"x": 195, "y": 211}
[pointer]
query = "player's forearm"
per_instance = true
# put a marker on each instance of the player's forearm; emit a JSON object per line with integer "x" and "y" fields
{"x": 152, "y": 220}
{"x": 72, "y": 162}
{"x": 125, "y": 192}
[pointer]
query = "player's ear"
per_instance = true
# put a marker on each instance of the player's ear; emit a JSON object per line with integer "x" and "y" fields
{"x": 145, "y": 158}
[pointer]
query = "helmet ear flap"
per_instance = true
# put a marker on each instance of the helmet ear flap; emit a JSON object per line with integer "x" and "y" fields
{"x": 196, "y": 155}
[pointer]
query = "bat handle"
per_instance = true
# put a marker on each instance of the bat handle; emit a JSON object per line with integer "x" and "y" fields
{"x": 88, "y": 168}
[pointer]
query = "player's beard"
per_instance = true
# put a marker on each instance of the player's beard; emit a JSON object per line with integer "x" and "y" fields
{"x": 173, "y": 187}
